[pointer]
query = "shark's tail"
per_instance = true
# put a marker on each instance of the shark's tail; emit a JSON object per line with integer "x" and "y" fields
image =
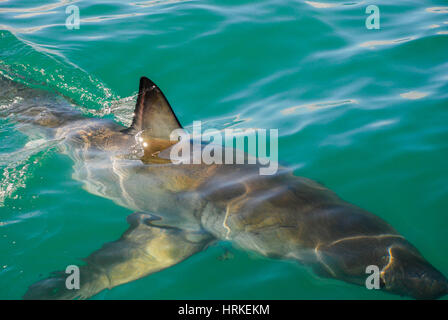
{"x": 56, "y": 288}
{"x": 49, "y": 289}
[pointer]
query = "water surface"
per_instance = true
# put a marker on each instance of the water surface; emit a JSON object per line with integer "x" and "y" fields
{"x": 362, "y": 111}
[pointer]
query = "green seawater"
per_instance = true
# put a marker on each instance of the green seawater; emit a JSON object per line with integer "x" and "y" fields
{"x": 364, "y": 112}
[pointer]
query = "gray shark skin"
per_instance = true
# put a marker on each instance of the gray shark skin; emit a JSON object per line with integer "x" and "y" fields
{"x": 182, "y": 209}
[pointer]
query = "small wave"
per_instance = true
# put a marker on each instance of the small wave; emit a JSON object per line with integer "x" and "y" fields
{"x": 18, "y": 61}
{"x": 327, "y": 5}
{"x": 153, "y": 3}
{"x": 221, "y": 123}
{"x": 123, "y": 109}
{"x": 33, "y": 14}
{"x": 375, "y": 43}
{"x": 18, "y": 166}
{"x": 46, "y": 7}
{"x": 28, "y": 29}
{"x": 347, "y": 137}
{"x": 318, "y": 105}
{"x": 437, "y": 9}
{"x": 414, "y": 95}
{"x": 20, "y": 218}
{"x": 111, "y": 17}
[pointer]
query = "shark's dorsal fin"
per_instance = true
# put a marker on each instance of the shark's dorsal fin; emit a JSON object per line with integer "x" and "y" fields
{"x": 153, "y": 113}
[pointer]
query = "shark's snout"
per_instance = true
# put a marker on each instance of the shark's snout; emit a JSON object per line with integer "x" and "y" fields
{"x": 408, "y": 273}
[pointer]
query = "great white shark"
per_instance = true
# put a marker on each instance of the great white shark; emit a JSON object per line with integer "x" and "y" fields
{"x": 182, "y": 209}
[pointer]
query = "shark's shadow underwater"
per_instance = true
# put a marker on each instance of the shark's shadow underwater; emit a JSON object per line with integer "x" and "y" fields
{"x": 182, "y": 209}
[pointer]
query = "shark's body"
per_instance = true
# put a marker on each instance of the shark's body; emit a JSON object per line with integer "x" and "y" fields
{"x": 181, "y": 209}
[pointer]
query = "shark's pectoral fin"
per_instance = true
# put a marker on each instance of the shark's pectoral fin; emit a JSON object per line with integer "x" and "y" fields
{"x": 143, "y": 249}
{"x": 153, "y": 113}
